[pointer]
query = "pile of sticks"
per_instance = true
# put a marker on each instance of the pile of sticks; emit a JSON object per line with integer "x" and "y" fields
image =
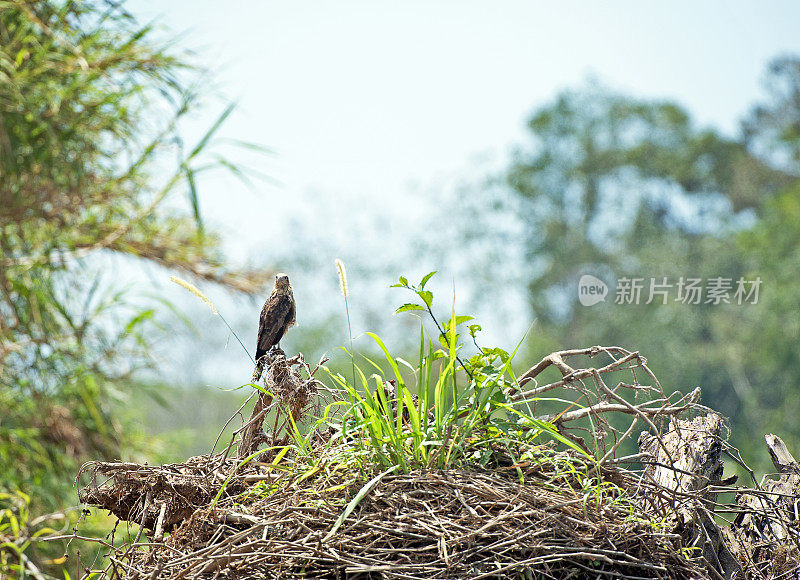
{"x": 443, "y": 524}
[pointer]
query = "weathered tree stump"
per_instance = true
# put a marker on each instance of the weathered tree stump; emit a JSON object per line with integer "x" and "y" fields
{"x": 763, "y": 539}
{"x": 687, "y": 460}
{"x": 766, "y": 531}
{"x": 287, "y": 393}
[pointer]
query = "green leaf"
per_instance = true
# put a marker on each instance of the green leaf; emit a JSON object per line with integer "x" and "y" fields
{"x": 403, "y": 281}
{"x": 426, "y": 296}
{"x": 194, "y": 199}
{"x": 138, "y": 319}
{"x": 210, "y": 133}
{"x": 425, "y": 279}
{"x": 458, "y": 320}
{"x": 407, "y": 307}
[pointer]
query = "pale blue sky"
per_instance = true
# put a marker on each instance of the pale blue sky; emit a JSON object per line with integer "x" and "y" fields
{"x": 374, "y": 108}
{"x": 360, "y": 99}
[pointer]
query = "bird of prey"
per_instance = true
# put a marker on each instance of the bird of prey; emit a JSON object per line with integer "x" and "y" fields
{"x": 277, "y": 316}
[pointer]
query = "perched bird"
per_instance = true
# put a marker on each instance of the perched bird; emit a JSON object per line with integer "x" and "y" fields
{"x": 277, "y": 316}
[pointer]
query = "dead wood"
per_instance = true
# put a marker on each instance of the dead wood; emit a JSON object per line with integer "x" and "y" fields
{"x": 175, "y": 490}
{"x": 766, "y": 531}
{"x": 286, "y": 393}
{"x": 686, "y": 461}
{"x": 762, "y": 541}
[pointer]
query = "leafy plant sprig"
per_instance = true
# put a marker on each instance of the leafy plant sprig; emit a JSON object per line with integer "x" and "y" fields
{"x": 446, "y": 335}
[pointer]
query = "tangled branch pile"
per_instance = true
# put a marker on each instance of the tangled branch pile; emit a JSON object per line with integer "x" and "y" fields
{"x": 510, "y": 507}
{"x": 446, "y": 524}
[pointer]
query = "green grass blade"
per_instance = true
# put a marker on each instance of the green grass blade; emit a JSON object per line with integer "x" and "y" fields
{"x": 357, "y": 499}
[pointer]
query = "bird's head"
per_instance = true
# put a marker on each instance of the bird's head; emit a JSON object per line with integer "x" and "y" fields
{"x": 282, "y": 282}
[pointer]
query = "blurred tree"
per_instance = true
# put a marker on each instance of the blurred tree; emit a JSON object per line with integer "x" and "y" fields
{"x": 772, "y": 129}
{"x": 764, "y": 360}
{"x": 607, "y": 174}
{"x": 761, "y": 355}
{"x": 616, "y": 187}
{"x": 91, "y": 160}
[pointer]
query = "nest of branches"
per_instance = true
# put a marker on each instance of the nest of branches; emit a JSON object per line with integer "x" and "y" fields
{"x": 445, "y": 524}
{"x": 511, "y": 507}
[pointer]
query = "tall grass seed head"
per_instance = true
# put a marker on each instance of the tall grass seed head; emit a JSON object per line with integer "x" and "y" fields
{"x": 342, "y": 276}
{"x": 196, "y": 291}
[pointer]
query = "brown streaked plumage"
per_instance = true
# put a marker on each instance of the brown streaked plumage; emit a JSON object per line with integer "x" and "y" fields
{"x": 277, "y": 316}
